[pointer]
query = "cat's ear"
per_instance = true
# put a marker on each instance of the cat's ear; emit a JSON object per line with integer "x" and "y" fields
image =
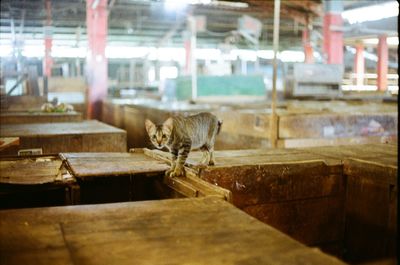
{"x": 168, "y": 124}
{"x": 149, "y": 125}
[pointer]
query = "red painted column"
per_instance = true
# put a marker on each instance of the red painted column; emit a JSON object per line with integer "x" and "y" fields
{"x": 187, "y": 45}
{"x": 97, "y": 76}
{"x": 359, "y": 64}
{"x": 308, "y": 50}
{"x": 48, "y": 42}
{"x": 382, "y": 66}
{"x": 48, "y": 60}
{"x": 333, "y": 38}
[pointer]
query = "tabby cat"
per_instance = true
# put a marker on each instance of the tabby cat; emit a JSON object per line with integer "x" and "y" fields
{"x": 182, "y": 134}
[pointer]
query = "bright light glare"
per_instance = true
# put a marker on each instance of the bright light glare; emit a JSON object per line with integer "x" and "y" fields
{"x": 169, "y": 72}
{"x": 115, "y": 52}
{"x": 154, "y": 54}
{"x": 370, "y": 13}
{"x": 291, "y": 56}
{"x": 68, "y": 52}
{"x": 33, "y": 51}
{"x": 266, "y": 54}
{"x": 5, "y": 51}
{"x": 151, "y": 74}
{"x": 206, "y": 54}
{"x": 167, "y": 54}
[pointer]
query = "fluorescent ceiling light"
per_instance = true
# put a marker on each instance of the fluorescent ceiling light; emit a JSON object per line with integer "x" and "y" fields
{"x": 370, "y": 13}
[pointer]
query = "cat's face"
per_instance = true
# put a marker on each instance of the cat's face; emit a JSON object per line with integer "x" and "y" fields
{"x": 159, "y": 134}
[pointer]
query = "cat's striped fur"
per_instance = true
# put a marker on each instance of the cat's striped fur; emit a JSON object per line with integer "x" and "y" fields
{"x": 182, "y": 134}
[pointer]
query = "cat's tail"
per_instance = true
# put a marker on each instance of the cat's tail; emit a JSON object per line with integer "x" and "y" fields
{"x": 219, "y": 125}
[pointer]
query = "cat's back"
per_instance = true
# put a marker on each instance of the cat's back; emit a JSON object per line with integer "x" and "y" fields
{"x": 204, "y": 117}
{"x": 196, "y": 122}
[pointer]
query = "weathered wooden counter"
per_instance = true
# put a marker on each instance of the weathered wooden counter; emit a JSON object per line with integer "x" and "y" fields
{"x": 300, "y": 193}
{"x": 245, "y": 126}
{"x": 371, "y": 198}
{"x": 20, "y": 117}
{"x": 82, "y": 178}
{"x": 305, "y": 124}
{"x": 342, "y": 199}
{"x": 322, "y": 196}
{"x": 180, "y": 231}
{"x": 52, "y": 138}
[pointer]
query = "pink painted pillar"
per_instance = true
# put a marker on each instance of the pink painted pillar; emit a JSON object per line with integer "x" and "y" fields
{"x": 359, "y": 64}
{"x": 332, "y": 33}
{"x": 97, "y": 76}
{"x": 187, "y": 45}
{"x": 308, "y": 50}
{"x": 382, "y": 67}
{"x": 48, "y": 42}
{"x": 48, "y": 60}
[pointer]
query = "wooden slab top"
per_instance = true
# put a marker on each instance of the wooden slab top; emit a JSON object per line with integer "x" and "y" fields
{"x": 37, "y": 113}
{"x": 254, "y": 157}
{"x": 30, "y": 171}
{"x": 57, "y": 128}
{"x": 85, "y": 165}
{"x": 385, "y": 154}
{"x": 180, "y": 231}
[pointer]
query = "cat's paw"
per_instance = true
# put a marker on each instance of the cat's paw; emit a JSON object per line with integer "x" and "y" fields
{"x": 169, "y": 172}
{"x": 178, "y": 172}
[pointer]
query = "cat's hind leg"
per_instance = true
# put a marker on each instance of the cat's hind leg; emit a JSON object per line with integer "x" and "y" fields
{"x": 205, "y": 156}
{"x": 211, "y": 162}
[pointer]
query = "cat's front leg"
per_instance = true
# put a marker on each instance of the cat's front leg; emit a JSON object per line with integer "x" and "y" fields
{"x": 174, "y": 155}
{"x": 179, "y": 170}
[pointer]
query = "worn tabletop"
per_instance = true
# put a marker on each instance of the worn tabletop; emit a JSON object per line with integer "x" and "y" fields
{"x": 180, "y": 231}
{"x": 57, "y": 128}
{"x": 112, "y": 164}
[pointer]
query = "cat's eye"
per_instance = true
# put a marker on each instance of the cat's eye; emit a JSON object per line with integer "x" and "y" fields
{"x": 154, "y": 137}
{"x": 164, "y": 136}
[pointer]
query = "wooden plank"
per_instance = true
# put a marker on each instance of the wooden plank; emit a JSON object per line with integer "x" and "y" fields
{"x": 364, "y": 151}
{"x": 113, "y": 164}
{"x": 30, "y": 171}
{"x": 51, "y": 129}
{"x": 39, "y": 117}
{"x": 264, "y": 183}
{"x": 312, "y": 222}
{"x": 191, "y": 185}
{"x": 158, "y": 232}
{"x": 312, "y": 142}
{"x": 113, "y": 113}
{"x": 370, "y": 206}
{"x": 43, "y": 257}
{"x": 86, "y": 136}
{"x": 6, "y": 142}
{"x": 337, "y": 125}
{"x": 25, "y": 103}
